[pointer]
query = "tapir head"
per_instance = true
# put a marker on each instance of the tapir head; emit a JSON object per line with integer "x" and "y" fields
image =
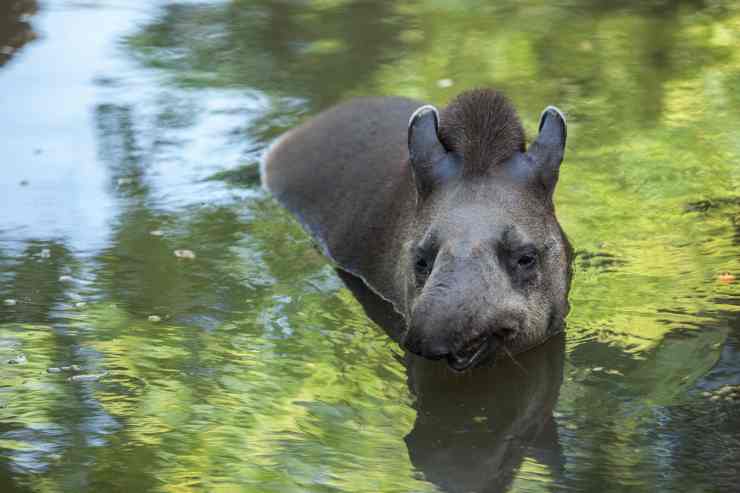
{"x": 488, "y": 266}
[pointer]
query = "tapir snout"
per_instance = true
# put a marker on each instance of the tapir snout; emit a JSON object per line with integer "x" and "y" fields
{"x": 465, "y": 313}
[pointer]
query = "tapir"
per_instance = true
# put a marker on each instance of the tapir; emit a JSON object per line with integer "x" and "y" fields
{"x": 445, "y": 215}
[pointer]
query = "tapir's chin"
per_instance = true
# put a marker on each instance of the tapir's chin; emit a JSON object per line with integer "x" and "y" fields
{"x": 482, "y": 355}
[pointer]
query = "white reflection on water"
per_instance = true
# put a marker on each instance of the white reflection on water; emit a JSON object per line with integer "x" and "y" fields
{"x": 55, "y": 181}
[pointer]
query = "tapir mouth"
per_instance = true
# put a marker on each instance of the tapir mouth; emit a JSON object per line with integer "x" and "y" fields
{"x": 473, "y": 354}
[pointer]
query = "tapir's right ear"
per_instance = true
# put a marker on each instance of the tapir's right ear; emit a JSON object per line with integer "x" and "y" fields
{"x": 549, "y": 147}
{"x": 427, "y": 155}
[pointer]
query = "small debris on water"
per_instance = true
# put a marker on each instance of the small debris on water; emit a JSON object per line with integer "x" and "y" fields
{"x": 122, "y": 182}
{"x": 726, "y": 278}
{"x": 154, "y": 318}
{"x": 615, "y": 372}
{"x": 66, "y": 278}
{"x": 92, "y": 377}
{"x": 61, "y": 369}
{"x": 23, "y": 183}
{"x": 45, "y": 253}
{"x": 598, "y": 368}
{"x": 10, "y": 302}
{"x": 18, "y": 360}
{"x": 80, "y": 304}
{"x": 444, "y": 83}
{"x": 189, "y": 254}
{"x": 157, "y": 232}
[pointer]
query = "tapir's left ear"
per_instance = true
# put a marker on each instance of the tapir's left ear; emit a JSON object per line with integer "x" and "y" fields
{"x": 549, "y": 147}
{"x": 427, "y": 155}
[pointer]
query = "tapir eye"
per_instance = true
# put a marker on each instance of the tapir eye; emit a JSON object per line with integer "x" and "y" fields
{"x": 423, "y": 263}
{"x": 527, "y": 261}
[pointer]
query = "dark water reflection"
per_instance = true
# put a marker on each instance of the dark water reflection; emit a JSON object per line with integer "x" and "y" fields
{"x": 248, "y": 365}
{"x": 472, "y": 432}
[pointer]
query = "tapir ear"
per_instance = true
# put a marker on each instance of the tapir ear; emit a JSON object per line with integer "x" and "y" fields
{"x": 427, "y": 155}
{"x": 549, "y": 147}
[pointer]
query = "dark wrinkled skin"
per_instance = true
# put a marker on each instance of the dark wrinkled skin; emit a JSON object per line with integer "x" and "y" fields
{"x": 475, "y": 263}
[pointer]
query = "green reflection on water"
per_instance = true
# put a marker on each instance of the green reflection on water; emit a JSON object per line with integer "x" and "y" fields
{"x": 264, "y": 374}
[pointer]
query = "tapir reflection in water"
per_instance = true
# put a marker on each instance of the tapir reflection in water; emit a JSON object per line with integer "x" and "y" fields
{"x": 445, "y": 215}
{"x": 474, "y": 430}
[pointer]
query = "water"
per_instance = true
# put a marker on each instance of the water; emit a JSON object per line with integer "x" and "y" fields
{"x": 250, "y": 367}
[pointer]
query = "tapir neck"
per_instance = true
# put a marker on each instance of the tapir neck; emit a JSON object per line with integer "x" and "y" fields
{"x": 345, "y": 176}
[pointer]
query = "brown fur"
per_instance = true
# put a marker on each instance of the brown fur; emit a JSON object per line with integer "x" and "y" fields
{"x": 483, "y": 128}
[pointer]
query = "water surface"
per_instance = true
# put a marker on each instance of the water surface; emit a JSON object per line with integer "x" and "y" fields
{"x": 131, "y": 130}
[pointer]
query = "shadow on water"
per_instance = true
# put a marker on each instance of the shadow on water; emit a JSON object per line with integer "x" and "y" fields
{"x": 473, "y": 430}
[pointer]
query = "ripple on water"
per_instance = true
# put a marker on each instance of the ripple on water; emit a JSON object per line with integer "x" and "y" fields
{"x": 261, "y": 372}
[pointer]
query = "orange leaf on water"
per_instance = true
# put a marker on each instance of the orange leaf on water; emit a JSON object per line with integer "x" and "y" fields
{"x": 726, "y": 278}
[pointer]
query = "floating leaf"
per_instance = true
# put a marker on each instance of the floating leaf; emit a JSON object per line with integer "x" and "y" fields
{"x": 726, "y": 278}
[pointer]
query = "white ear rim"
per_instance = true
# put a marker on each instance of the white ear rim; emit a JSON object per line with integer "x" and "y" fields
{"x": 424, "y": 109}
{"x": 555, "y": 109}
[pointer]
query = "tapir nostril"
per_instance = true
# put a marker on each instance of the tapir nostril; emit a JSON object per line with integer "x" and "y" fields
{"x": 471, "y": 347}
{"x": 470, "y": 354}
{"x": 506, "y": 331}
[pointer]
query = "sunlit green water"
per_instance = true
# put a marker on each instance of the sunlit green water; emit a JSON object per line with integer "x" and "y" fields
{"x": 258, "y": 370}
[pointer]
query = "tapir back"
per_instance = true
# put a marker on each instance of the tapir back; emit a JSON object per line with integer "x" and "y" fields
{"x": 344, "y": 174}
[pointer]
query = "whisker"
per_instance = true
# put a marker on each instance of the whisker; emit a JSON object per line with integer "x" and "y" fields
{"x": 511, "y": 356}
